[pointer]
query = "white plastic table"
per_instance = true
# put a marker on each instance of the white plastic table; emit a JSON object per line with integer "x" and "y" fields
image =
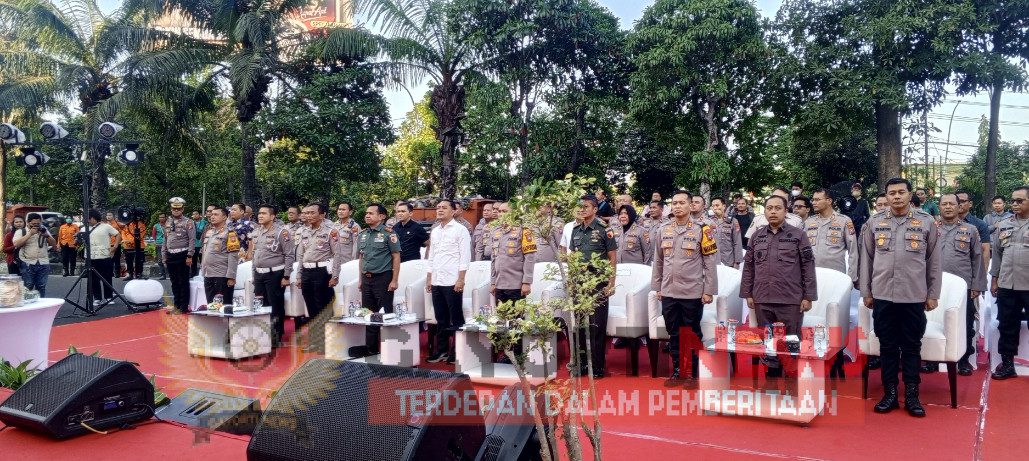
{"x": 25, "y": 332}
{"x": 474, "y": 357}
{"x": 230, "y": 336}
{"x": 400, "y": 345}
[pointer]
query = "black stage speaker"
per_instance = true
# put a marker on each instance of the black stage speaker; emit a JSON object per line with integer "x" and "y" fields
{"x": 219, "y": 412}
{"x": 349, "y": 411}
{"x": 80, "y": 390}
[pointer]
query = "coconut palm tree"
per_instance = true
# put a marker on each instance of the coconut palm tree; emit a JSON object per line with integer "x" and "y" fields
{"x": 415, "y": 43}
{"x": 67, "y": 53}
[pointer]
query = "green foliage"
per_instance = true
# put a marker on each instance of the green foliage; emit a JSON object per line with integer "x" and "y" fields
{"x": 410, "y": 166}
{"x": 485, "y": 164}
{"x": 15, "y": 376}
{"x": 1012, "y": 169}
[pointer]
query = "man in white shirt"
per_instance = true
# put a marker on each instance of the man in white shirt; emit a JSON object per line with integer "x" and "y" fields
{"x": 449, "y": 256}
{"x": 33, "y": 243}
{"x": 100, "y": 251}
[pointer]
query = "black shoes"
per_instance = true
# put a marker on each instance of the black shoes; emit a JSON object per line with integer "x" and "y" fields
{"x": 620, "y": 343}
{"x": 889, "y": 401}
{"x": 437, "y": 358}
{"x": 911, "y": 403}
{"x": 1006, "y": 369}
{"x": 965, "y": 368}
{"x": 874, "y": 363}
{"x": 930, "y": 367}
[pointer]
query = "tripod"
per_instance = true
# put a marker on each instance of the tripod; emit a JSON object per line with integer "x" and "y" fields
{"x": 87, "y": 308}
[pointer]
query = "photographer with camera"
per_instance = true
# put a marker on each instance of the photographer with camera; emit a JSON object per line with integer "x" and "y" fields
{"x": 132, "y": 241}
{"x": 34, "y": 242}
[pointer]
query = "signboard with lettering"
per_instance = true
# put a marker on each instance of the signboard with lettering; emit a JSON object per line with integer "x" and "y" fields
{"x": 325, "y": 14}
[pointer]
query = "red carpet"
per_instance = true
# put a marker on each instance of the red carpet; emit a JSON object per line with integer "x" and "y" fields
{"x": 156, "y": 342}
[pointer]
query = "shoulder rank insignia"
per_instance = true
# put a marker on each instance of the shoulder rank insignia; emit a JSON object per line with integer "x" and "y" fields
{"x": 334, "y": 234}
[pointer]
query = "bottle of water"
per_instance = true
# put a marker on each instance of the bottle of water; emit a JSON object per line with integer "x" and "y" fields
{"x": 351, "y": 310}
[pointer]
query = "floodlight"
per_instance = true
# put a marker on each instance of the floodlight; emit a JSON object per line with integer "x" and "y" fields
{"x": 11, "y": 134}
{"x": 52, "y": 131}
{"x": 130, "y": 155}
{"x": 107, "y": 130}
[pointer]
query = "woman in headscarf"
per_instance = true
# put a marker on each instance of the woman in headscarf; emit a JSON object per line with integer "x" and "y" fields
{"x": 633, "y": 239}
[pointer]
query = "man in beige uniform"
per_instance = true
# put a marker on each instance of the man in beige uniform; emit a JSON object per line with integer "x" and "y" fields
{"x": 728, "y": 235}
{"x": 698, "y": 211}
{"x": 482, "y": 243}
{"x": 274, "y": 253}
{"x": 221, "y": 255}
{"x": 319, "y": 256}
{"x": 832, "y": 237}
{"x": 684, "y": 276}
{"x": 514, "y": 250}
{"x": 962, "y": 256}
{"x": 1010, "y": 285}
{"x": 548, "y": 248}
{"x": 900, "y": 279}
{"x": 348, "y": 230}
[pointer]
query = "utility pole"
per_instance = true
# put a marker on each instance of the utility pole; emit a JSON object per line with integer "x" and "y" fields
{"x": 925, "y": 139}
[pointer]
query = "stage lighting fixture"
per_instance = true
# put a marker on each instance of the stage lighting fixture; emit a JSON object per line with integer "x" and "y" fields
{"x": 107, "y": 130}
{"x": 130, "y": 155}
{"x": 52, "y": 131}
{"x": 11, "y": 134}
{"x": 31, "y": 159}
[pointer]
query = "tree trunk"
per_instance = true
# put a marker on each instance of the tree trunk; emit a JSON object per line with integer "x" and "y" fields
{"x": 579, "y": 148}
{"x": 991, "y": 144}
{"x": 447, "y": 102}
{"x": 250, "y": 194}
{"x": 887, "y": 142}
{"x": 98, "y": 197}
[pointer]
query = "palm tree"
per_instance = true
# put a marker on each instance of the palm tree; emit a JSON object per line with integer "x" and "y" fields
{"x": 56, "y": 55}
{"x": 244, "y": 44}
{"x": 415, "y": 43}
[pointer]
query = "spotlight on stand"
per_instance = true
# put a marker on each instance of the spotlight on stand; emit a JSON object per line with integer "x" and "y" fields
{"x": 31, "y": 159}
{"x": 52, "y": 131}
{"x": 11, "y": 134}
{"x": 107, "y": 130}
{"x": 130, "y": 155}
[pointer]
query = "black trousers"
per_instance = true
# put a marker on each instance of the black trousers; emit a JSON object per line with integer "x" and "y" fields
{"x": 134, "y": 262}
{"x": 69, "y": 258}
{"x": 1012, "y": 306}
{"x": 117, "y": 264}
{"x": 178, "y": 272}
{"x": 314, "y": 284}
{"x": 269, "y": 286}
{"x": 105, "y": 269}
{"x": 597, "y": 335}
{"x": 214, "y": 286}
{"x": 446, "y": 304}
{"x": 512, "y": 296}
{"x": 375, "y": 296}
{"x": 789, "y": 314}
{"x": 900, "y": 327}
{"x": 195, "y": 268}
{"x": 679, "y": 314}
{"x": 970, "y": 311}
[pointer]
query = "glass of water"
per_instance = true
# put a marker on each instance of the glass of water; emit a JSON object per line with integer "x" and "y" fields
{"x": 258, "y": 303}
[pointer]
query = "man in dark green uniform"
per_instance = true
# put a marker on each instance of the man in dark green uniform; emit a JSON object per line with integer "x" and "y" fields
{"x": 379, "y": 253}
{"x": 589, "y": 238}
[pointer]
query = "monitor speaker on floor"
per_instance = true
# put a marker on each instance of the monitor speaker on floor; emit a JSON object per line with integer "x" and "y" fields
{"x": 214, "y": 411}
{"x": 77, "y": 393}
{"x": 340, "y": 411}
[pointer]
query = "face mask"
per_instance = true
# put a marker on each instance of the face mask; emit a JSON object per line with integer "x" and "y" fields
{"x": 795, "y": 193}
{"x": 856, "y": 193}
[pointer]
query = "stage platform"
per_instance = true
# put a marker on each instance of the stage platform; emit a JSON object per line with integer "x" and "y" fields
{"x": 988, "y": 423}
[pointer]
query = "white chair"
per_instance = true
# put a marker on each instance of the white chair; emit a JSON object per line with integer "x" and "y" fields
{"x": 244, "y": 282}
{"x": 944, "y": 339}
{"x": 475, "y": 294}
{"x": 726, "y": 305}
{"x": 627, "y": 309}
{"x": 411, "y": 286}
{"x": 831, "y": 309}
{"x": 295, "y": 305}
{"x": 346, "y": 289}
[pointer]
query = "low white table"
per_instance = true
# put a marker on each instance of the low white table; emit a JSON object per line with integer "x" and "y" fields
{"x": 230, "y": 336}
{"x": 474, "y": 357}
{"x": 400, "y": 345}
{"x": 25, "y": 332}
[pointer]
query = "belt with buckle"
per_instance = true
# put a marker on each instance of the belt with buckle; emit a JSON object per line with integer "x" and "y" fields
{"x": 316, "y": 264}
{"x": 178, "y": 250}
{"x": 265, "y": 270}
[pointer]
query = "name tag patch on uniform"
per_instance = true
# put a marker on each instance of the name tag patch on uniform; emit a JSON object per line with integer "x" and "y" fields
{"x": 380, "y": 238}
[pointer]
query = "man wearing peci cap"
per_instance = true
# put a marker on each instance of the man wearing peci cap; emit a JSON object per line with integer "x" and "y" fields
{"x": 177, "y": 253}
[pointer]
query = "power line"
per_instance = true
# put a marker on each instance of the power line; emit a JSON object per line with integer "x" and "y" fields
{"x": 986, "y": 104}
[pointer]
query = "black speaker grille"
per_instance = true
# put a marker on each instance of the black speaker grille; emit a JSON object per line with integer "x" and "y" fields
{"x": 328, "y": 411}
{"x": 493, "y": 444}
{"x": 42, "y": 397}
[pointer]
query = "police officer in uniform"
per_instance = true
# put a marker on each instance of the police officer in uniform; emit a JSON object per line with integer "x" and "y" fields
{"x": 274, "y": 253}
{"x": 514, "y": 250}
{"x": 593, "y": 237}
{"x": 177, "y": 253}
{"x": 779, "y": 274}
{"x": 962, "y": 256}
{"x": 728, "y": 235}
{"x": 1010, "y": 285}
{"x": 379, "y": 255}
{"x": 632, "y": 238}
{"x": 482, "y": 243}
{"x": 221, "y": 255}
{"x": 547, "y": 248}
{"x": 900, "y": 279}
{"x": 684, "y": 276}
{"x": 832, "y": 236}
{"x": 698, "y": 211}
{"x": 318, "y": 254}
{"x": 348, "y": 230}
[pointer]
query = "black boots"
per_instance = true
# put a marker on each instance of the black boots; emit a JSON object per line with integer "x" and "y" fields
{"x": 911, "y": 403}
{"x": 1006, "y": 369}
{"x": 889, "y": 401}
